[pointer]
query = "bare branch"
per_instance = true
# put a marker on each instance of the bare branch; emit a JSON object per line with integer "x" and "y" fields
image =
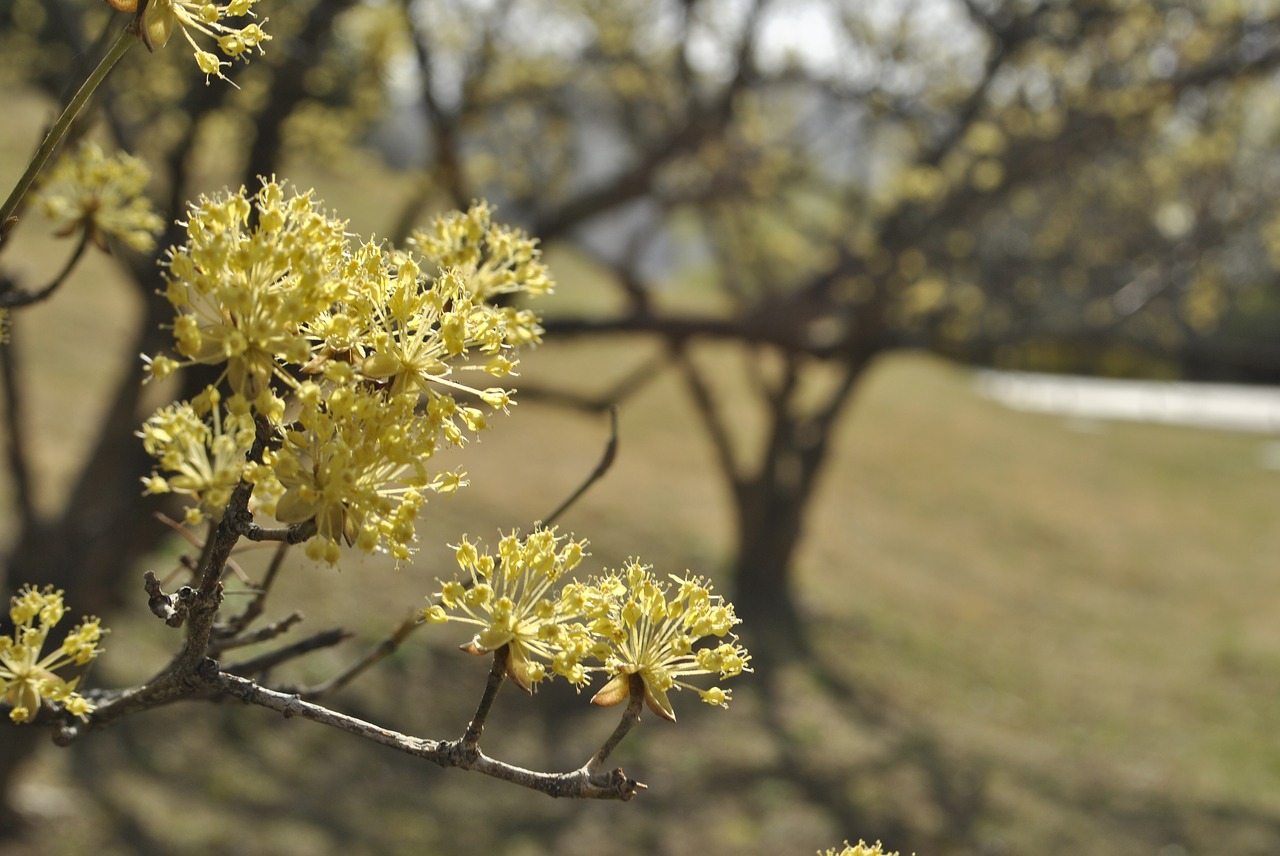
{"x": 295, "y": 533}
{"x": 497, "y": 674}
{"x": 173, "y": 608}
{"x": 630, "y": 719}
{"x": 580, "y": 784}
{"x": 185, "y": 561}
{"x": 630, "y": 384}
{"x": 24, "y": 490}
{"x": 382, "y": 650}
{"x": 15, "y": 297}
{"x": 271, "y": 659}
{"x": 207, "y": 682}
{"x": 255, "y": 606}
{"x": 262, "y": 634}
{"x": 606, "y": 461}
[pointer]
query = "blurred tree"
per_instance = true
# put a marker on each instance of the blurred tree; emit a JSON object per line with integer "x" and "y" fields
{"x": 1079, "y": 185}
{"x": 1074, "y": 183}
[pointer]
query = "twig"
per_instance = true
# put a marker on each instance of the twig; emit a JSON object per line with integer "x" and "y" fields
{"x": 209, "y": 683}
{"x": 629, "y": 385}
{"x": 16, "y": 298}
{"x": 295, "y": 533}
{"x": 262, "y": 634}
{"x": 213, "y": 559}
{"x": 382, "y": 650}
{"x": 186, "y": 561}
{"x": 9, "y": 210}
{"x": 271, "y": 659}
{"x": 579, "y": 784}
{"x": 606, "y": 461}
{"x": 630, "y": 719}
{"x": 497, "y": 674}
{"x": 172, "y": 608}
{"x": 255, "y": 606}
{"x": 24, "y": 490}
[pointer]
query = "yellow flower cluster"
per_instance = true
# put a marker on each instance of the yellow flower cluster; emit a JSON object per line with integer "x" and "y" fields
{"x": 355, "y": 462}
{"x": 654, "y": 637}
{"x": 244, "y": 290}
{"x": 209, "y": 19}
{"x": 629, "y": 622}
{"x": 495, "y": 260}
{"x": 89, "y": 190}
{"x": 513, "y": 602}
{"x": 862, "y": 848}
{"x": 25, "y": 677}
{"x": 207, "y": 458}
{"x": 353, "y": 355}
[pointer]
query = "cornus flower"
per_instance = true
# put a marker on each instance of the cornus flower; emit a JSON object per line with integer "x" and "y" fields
{"x": 492, "y": 258}
{"x": 414, "y": 334}
{"x": 102, "y": 194}
{"x": 25, "y": 677}
{"x": 207, "y": 19}
{"x": 355, "y": 462}
{"x": 344, "y": 356}
{"x": 202, "y": 448}
{"x": 862, "y": 848}
{"x": 653, "y": 636}
{"x": 513, "y": 602}
{"x": 243, "y": 293}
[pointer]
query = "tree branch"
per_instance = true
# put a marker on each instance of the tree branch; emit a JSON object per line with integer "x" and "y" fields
{"x": 497, "y": 674}
{"x": 15, "y": 298}
{"x": 271, "y": 659}
{"x": 716, "y": 428}
{"x": 606, "y": 461}
{"x": 18, "y": 456}
{"x": 580, "y": 784}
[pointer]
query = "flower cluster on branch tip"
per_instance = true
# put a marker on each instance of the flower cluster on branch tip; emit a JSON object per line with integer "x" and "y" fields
{"x": 353, "y": 358}
{"x": 620, "y": 623}
{"x": 203, "y": 446}
{"x": 26, "y": 678}
{"x": 157, "y": 20}
{"x": 862, "y": 848}
{"x": 102, "y": 194}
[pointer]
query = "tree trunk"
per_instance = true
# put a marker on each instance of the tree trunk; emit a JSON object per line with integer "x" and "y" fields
{"x": 770, "y": 523}
{"x": 771, "y": 507}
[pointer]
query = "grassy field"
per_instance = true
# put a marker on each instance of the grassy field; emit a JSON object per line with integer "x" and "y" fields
{"x": 1032, "y": 639}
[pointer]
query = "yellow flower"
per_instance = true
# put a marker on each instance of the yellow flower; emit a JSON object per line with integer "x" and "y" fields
{"x": 862, "y": 848}
{"x": 25, "y": 677}
{"x": 243, "y": 294}
{"x": 408, "y": 325}
{"x": 87, "y": 189}
{"x": 161, "y": 16}
{"x": 205, "y": 459}
{"x": 365, "y": 347}
{"x": 494, "y": 259}
{"x": 355, "y": 461}
{"x": 511, "y": 600}
{"x": 655, "y": 638}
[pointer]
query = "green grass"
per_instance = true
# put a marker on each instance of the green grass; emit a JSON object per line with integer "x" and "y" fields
{"x": 1055, "y": 640}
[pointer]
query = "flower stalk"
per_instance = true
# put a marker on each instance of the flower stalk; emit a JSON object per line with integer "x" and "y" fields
{"x": 8, "y": 213}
